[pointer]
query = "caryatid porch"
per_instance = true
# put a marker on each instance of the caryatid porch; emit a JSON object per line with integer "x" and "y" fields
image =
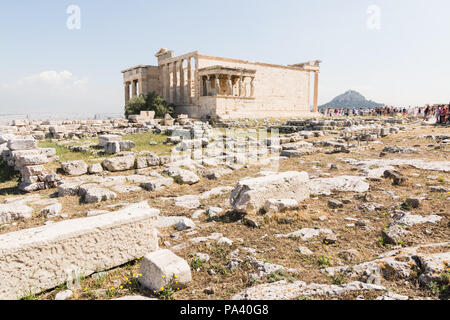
{"x": 226, "y": 82}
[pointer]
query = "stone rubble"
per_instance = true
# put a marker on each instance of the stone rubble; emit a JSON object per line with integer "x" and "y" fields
{"x": 25, "y": 157}
{"x": 282, "y": 290}
{"x": 12, "y": 212}
{"x": 305, "y": 233}
{"x": 270, "y": 192}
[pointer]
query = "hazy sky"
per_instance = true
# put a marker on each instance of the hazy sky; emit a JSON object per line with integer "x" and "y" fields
{"x": 392, "y": 51}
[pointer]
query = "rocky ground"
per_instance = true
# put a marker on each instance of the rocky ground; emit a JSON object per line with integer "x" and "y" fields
{"x": 370, "y": 220}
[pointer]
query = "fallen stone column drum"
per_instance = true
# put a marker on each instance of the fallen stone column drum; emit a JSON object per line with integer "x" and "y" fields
{"x": 38, "y": 259}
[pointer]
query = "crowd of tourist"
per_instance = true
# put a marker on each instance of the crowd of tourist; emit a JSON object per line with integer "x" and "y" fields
{"x": 440, "y": 113}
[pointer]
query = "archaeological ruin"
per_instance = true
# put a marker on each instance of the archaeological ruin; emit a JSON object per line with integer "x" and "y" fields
{"x": 223, "y": 186}
{"x": 207, "y": 87}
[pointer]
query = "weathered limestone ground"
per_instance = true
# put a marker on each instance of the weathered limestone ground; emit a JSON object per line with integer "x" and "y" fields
{"x": 360, "y": 234}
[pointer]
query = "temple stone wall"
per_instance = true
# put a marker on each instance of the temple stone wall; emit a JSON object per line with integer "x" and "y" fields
{"x": 153, "y": 83}
{"x": 206, "y": 108}
{"x": 278, "y": 90}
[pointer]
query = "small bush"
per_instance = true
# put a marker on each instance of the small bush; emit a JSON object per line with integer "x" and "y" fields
{"x": 323, "y": 261}
{"x": 166, "y": 292}
{"x": 406, "y": 206}
{"x": 7, "y": 173}
{"x": 276, "y": 276}
{"x": 111, "y": 292}
{"x": 30, "y": 296}
{"x": 149, "y": 102}
{"x": 445, "y": 277}
{"x": 338, "y": 279}
{"x": 197, "y": 263}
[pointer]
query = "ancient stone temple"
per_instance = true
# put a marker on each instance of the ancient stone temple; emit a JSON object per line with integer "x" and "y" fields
{"x": 222, "y": 88}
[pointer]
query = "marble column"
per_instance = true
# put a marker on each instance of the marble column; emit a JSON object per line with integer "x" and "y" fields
{"x": 127, "y": 92}
{"x": 134, "y": 89}
{"x": 142, "y": 86}
{"x": 167, "y": 82}
{"x": 252, "y": 87}
{"x": 197, "y": 83}
{"x": 208, "y": 85}
{"x": 316, "y": 90}
{"x": 189, "y": 84}
{"x": 244, "y": 85}
{"x": 182, "y": 84}
{"x": 175, "y": 82}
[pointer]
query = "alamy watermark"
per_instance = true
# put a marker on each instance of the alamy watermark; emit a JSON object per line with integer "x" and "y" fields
{"x": 74, "y": 20}
{"x": 73, "y": 278}
{"x": 373, "y": 21}
{"x": 228, "y": 147}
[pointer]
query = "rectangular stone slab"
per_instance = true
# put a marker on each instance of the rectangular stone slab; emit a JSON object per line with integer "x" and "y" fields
{"x": 38, "y": 259}
{"x": 22, "y": 144}
{"x": 252, "y": 193}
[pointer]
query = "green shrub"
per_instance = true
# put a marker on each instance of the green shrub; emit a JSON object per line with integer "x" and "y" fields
{"x": 276, "y": 276}
{"x": 338, "y": 279}
{"x": 197, "y": 263}
{"x": 7, "y": 173}
{"x": 323, "y": 261}
{"x": 149, "y": 102}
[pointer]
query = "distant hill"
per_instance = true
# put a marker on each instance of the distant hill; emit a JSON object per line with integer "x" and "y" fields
{"x": 349, "y": 100}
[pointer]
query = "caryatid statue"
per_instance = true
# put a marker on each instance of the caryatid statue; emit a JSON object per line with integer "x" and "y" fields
{"x": 217, "y": 85}
{"x": 241, "y": 86}
{"x": 208, "y": 85}
{"x": 230, "y": 85}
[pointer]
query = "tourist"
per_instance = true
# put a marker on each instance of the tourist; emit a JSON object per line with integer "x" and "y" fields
{"x": 443, "y": 115}
{"x": 438, "y": 115}
{"x": 427, "y": 112}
